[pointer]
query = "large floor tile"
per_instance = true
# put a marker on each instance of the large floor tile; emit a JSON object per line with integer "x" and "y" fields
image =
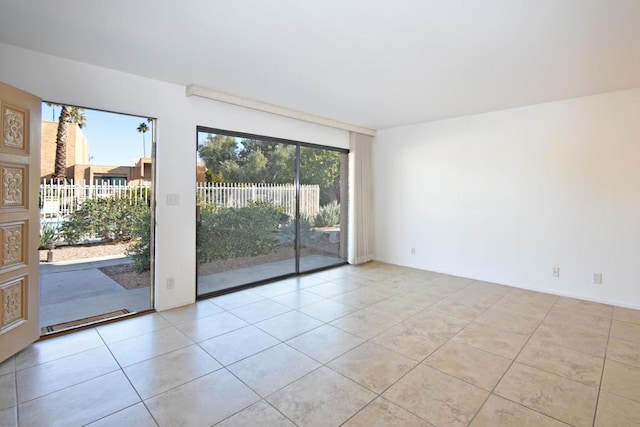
{"x": 273, "y": 368}
{"x": 360, "y": 298}
{"x": 571, "y": 337}
{"x": 500, "y": 412}
{"x": 364, "y": 324}
{"x": 467, "y": 311}
{"x": 8, "y": 366}
{"x": 438, "y": 398}
{"x": 298, "y": 299}
{"x": 588, "y": 307}
{"x": 525, "y": 301}
{"x": 469, "y": 364}
{"x": 457, "y": 281}
{"x": 622, "y": 380}
{"x": 238, "y": 344}
{"x": 327, "y": 310}
{"x": 335, "y": 287}
{"x": 133, "y": 327}
{"x": 325, "y": 343}
{"x": 579, "y": 320}
{"x": 257, "y": 415}
{"x": 58, "y": 347}
{"x": 626, "y": 315}
{"x": 563, "y": 361}
{"x": 157, "y": 375}
{"x": 624, "y": 351}
{"x": 417, "y": 338}
{"x": 289, "y": 325}
{"x": 236, "y": 299}
{"x": 503, "y": 343}
{"x": 152, "y": 344}
{"x": 9, "y": 417}
{"x": 210, "y": 326}
{"x": 261, "y": 310}
{"x": 81, "y": 403}
{"x": 62, "y": 373}
{"x": 191, "y": 312}
{"x": 626, "y": 331}
{"x": 7, "y": 391}
{"x": 307, "y": 281}
{"x": 382, "y": 413}
{"x": 420, "y": 299}
{"x": 275, "y": 289}
{"x": 202, "y": 402}
{"x": 616, "y": 411}
{"x": 136, "y": 415}
{"x": 323, "y": 398}
{"x": 566, "y": 400}
{"x": 372, "y": 366}
{"x": 510, "y": 322}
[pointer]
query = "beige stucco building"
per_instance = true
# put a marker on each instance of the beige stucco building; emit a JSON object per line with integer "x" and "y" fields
{"x": 78, "y": 167}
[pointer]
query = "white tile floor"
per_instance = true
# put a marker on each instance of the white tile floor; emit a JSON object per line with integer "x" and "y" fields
{"x": 376, "y": 345}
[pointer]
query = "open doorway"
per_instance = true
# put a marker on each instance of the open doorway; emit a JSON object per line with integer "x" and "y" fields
{"x": 95, "y": 198}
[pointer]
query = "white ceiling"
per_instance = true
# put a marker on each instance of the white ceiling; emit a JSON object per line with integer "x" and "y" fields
{"x": 373, "y": 63}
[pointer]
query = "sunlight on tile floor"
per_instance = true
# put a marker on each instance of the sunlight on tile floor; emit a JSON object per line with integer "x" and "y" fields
{"x": 376, "y": 345}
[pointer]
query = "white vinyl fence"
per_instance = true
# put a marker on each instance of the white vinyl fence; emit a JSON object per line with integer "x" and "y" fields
{"x": 239, "y": 195}
{"x": 66, "y": 197}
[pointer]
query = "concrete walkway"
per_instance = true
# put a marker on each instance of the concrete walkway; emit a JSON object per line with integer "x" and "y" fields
{"x": 75, "y": 290}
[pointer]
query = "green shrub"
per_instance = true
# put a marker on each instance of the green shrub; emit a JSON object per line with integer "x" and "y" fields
{"x": 109, "y": 219}
{"x": 287, "y": 235}
{"x": 224, "y": 233}
{"x": 328, "y": 215}
{"x": 140, "y": 250}
{"x": 48, "y": 235}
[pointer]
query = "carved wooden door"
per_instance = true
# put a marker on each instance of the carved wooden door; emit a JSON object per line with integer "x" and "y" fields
{"x": 19, "y": 219}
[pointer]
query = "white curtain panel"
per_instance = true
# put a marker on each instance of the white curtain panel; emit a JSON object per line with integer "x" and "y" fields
{"x": 361, "y": 224}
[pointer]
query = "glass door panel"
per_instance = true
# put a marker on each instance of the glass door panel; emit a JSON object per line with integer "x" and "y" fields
{"x": 323, "y": 208}
{"x": 246, "y": 210}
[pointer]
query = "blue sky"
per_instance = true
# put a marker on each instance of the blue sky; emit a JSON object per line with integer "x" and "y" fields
{"x": 113, "y": 138}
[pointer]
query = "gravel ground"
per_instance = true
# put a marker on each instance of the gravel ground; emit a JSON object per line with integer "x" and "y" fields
{"x": 67, "y": 253}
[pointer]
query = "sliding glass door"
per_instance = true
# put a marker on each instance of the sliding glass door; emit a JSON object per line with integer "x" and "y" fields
{"x": 323, "y": 216}
{"x": 266, "y": 208}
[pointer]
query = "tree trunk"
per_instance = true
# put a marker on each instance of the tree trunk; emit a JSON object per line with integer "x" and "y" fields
{"x": 60, "y": 166}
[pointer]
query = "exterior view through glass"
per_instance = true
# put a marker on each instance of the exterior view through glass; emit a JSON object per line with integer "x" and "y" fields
{"x": 266, "y": 208}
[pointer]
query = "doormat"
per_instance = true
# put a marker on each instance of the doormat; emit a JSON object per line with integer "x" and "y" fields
{"x": 81, "y": 322}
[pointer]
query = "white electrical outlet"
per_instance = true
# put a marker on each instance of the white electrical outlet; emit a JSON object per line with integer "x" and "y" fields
{"x": 597, "y": 278}
{"x": 413, "y": 251}
{"x": 555, "y": 271}
{"x": 170, "y": 283}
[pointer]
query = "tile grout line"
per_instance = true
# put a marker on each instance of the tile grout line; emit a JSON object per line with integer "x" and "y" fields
{"x": 604, "y": 364}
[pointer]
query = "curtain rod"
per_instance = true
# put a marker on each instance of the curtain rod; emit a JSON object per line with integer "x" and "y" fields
{"x": 216, "y": 95}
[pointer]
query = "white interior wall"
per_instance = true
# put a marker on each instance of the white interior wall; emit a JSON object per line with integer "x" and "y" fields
{"x": 64, "y": 81}
{"x": 505, "y": 196}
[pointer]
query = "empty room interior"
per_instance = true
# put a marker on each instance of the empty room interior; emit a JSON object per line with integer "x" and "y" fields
{"x": 480, "y": 161}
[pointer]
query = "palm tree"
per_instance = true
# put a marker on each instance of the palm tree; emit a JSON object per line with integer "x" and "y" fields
{"x": 68, "y": 115}
{"x": 143, "y": 128}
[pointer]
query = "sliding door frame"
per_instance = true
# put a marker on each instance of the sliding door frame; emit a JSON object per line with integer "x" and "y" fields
{"x": 343, "y": 214}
